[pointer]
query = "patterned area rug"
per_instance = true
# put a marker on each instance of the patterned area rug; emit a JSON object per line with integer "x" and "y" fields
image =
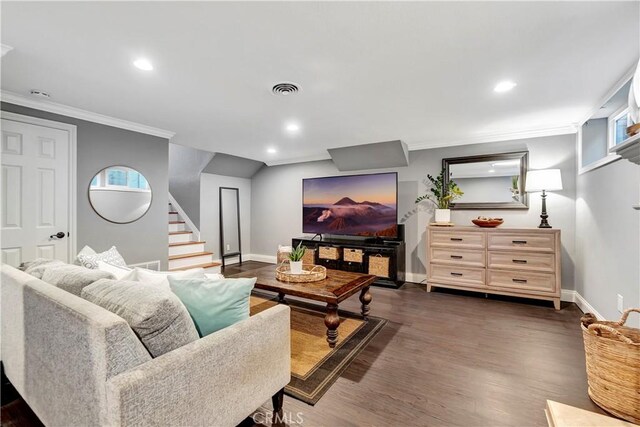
{"x": 315, "y": 366}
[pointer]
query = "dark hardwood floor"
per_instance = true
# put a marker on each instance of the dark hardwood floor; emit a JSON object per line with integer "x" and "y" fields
{"x": 444, "y": 359}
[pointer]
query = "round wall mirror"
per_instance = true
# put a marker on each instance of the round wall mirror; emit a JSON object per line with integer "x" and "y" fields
{"x": 120, "y": 194}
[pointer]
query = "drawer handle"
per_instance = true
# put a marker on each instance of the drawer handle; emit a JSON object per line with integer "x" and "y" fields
{"x": 456, "y": 256}
{"x": 456, "y": 274}
{"x": 519, "y": 280}
{"x": 456, "y": 239}
{"x": 519, "y": 261}
{"x": 519, "y": 242}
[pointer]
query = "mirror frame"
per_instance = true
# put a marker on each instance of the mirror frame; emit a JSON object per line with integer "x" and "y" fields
{"x": 523, "y": 156}
{"x": 239, "y": 252}
{"x": 110, "y": 220}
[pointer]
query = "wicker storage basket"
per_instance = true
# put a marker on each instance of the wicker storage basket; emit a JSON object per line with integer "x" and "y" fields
{"x": 283, "y": 253}
{"x": 379, "y": 265}
{"x": 613, "y": 365}
{"x": 309, "y": 257}
{"x": 329, "y": 252}
{"x": 353, "y": 255}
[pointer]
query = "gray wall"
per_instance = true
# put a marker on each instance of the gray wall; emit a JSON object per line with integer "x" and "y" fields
{"x": 185, "y": 165}
{"x": 277, "y": 197}
{"x": 100, "y": 146}
{"x": 594, "y": 140}
{"x": 209, "y": 212}
{"x": 608, "y": 237}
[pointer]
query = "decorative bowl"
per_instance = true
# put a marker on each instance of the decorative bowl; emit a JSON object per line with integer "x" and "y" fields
{"x": 491, "y": 222}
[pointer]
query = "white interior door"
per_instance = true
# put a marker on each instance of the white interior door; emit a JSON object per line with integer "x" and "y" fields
{"x": 35, "y": 192}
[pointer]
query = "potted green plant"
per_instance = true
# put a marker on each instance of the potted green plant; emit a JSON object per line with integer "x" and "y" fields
{"x": 295, "y": 259}
{"x": 441, "y": 196}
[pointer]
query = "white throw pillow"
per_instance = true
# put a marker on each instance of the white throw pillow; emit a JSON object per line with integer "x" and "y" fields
{"x": 120, "y": 273}
{"x": 159, "y": 278}
{"x": 87, "y": 250}
{"x": 214, "y": 276}
{"x": 112, "y": 256}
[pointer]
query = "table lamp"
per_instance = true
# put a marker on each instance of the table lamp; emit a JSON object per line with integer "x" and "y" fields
{"x": 543, "y": 180}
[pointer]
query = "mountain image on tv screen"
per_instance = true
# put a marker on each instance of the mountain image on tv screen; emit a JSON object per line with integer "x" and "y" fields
{"x": 358, "y": 205}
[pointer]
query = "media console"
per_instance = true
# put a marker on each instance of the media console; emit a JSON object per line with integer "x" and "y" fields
{"x": 390, "y": 253}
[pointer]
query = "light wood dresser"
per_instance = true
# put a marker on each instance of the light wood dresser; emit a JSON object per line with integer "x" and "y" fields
{"x": 521, "y": 262}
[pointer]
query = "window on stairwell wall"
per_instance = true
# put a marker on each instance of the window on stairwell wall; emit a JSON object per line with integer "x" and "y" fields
{"x": 605, "y": 129}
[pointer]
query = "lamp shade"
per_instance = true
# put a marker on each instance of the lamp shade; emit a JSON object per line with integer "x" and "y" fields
{"x": 547, "y": 179}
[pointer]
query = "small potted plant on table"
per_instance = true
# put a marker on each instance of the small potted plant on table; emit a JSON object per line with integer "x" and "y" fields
{"x": 441, "y": 196}
{"x": 295, "y": 259}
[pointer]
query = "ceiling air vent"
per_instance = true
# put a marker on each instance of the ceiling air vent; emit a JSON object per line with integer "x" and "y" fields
{"x": 39, "y": 93}
{"x": 285, "y": 89}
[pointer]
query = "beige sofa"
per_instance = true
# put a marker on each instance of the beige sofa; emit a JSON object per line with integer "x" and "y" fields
{"x": 77, "y": 364}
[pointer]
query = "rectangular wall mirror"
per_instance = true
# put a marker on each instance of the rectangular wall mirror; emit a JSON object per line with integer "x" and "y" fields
{"x": 230, "y": 224}
{"x": 492, "y": 181}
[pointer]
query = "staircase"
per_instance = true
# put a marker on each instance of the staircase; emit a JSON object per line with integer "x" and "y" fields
{"x": 184, "y": 251}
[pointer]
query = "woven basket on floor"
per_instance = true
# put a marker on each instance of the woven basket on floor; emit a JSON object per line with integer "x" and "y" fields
{"x": 613, "y": 366}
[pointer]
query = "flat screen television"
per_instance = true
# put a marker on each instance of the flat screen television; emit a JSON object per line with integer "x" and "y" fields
{"x": 354, "y": 205}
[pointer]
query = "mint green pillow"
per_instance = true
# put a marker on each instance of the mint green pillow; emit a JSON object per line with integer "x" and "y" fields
{"x": 214, "y": 304}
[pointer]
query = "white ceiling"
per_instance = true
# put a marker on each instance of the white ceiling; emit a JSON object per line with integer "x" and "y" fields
{"x": 368, "y": 71}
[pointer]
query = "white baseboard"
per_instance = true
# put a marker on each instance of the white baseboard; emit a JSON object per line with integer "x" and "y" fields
{"x": 271, "y": 259}
{"x": 415, "y": 277}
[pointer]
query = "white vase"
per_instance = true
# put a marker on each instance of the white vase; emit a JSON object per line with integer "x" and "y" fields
{"x": 443, "y": 215}
{"x": 296, "y": 267}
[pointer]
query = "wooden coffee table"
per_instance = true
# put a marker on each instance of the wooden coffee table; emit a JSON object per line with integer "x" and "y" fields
{"x": 337, "y": 287}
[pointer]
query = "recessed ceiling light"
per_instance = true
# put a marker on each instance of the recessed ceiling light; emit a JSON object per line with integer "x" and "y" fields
{"x": 292, "y": 127}
{"x": 492, "y": 170}
{"x": 271, "y": 150}
{"x": 143, "y": 64}
{"x": 504, "y": 86}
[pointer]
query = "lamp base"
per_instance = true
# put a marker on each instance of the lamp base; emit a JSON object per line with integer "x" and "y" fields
{"x": 544, "y": 223}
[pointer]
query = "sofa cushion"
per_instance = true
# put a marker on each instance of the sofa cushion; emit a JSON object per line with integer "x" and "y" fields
{"x": 112, "y": 256}
{"x": 72, "y": 278}
{"x": 38, "y": 265}
{"x": 159, "y": 278}
{"x": 214, "y": 304}
{"x": 157, "y": 316}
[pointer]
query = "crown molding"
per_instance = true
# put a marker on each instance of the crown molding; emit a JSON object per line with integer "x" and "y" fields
{"x": 5, "y": 49}
{"x": 304, "y": 159}
{"x": 497, "y": 137}
{"x": 65, "y": 110}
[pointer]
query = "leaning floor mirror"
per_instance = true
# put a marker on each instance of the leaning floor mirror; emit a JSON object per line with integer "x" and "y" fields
{"x": 493, "y": 181}
{"x": 230, "y": 246}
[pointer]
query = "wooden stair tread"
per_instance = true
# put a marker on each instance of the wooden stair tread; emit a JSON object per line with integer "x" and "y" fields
{"x": 192, "y": 255}
{"x": 185, "y": 243}
{"x": 176, "y": 222}
{"x": 207, "y": 265}
{"x": 173, "y": 233}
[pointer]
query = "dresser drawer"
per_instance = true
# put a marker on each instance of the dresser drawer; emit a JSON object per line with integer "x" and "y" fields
{"x": 523, "y": 261}
{"x": 455, "y": 256}
{"x": 472, "y": 277}
{"x": 542, "y": 242}
{"x": 526, "y": 281}
{"x": 468, "y": 240}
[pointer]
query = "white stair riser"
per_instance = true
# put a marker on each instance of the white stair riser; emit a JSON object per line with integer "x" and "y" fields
{"x": 173, "y": 217}
{"x": 217, "y": 269}
{"x": 179, "y": 238}
{"x": 186, "y": 249}
{"x": 176, "y": 227}
{"x": 186, "y": 262}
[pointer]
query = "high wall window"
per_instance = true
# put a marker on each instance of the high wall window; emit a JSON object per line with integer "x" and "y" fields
{"x": 605, "y": 129}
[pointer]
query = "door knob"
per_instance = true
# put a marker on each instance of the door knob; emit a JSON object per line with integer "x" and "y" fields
{"x": 58, "y": 235}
